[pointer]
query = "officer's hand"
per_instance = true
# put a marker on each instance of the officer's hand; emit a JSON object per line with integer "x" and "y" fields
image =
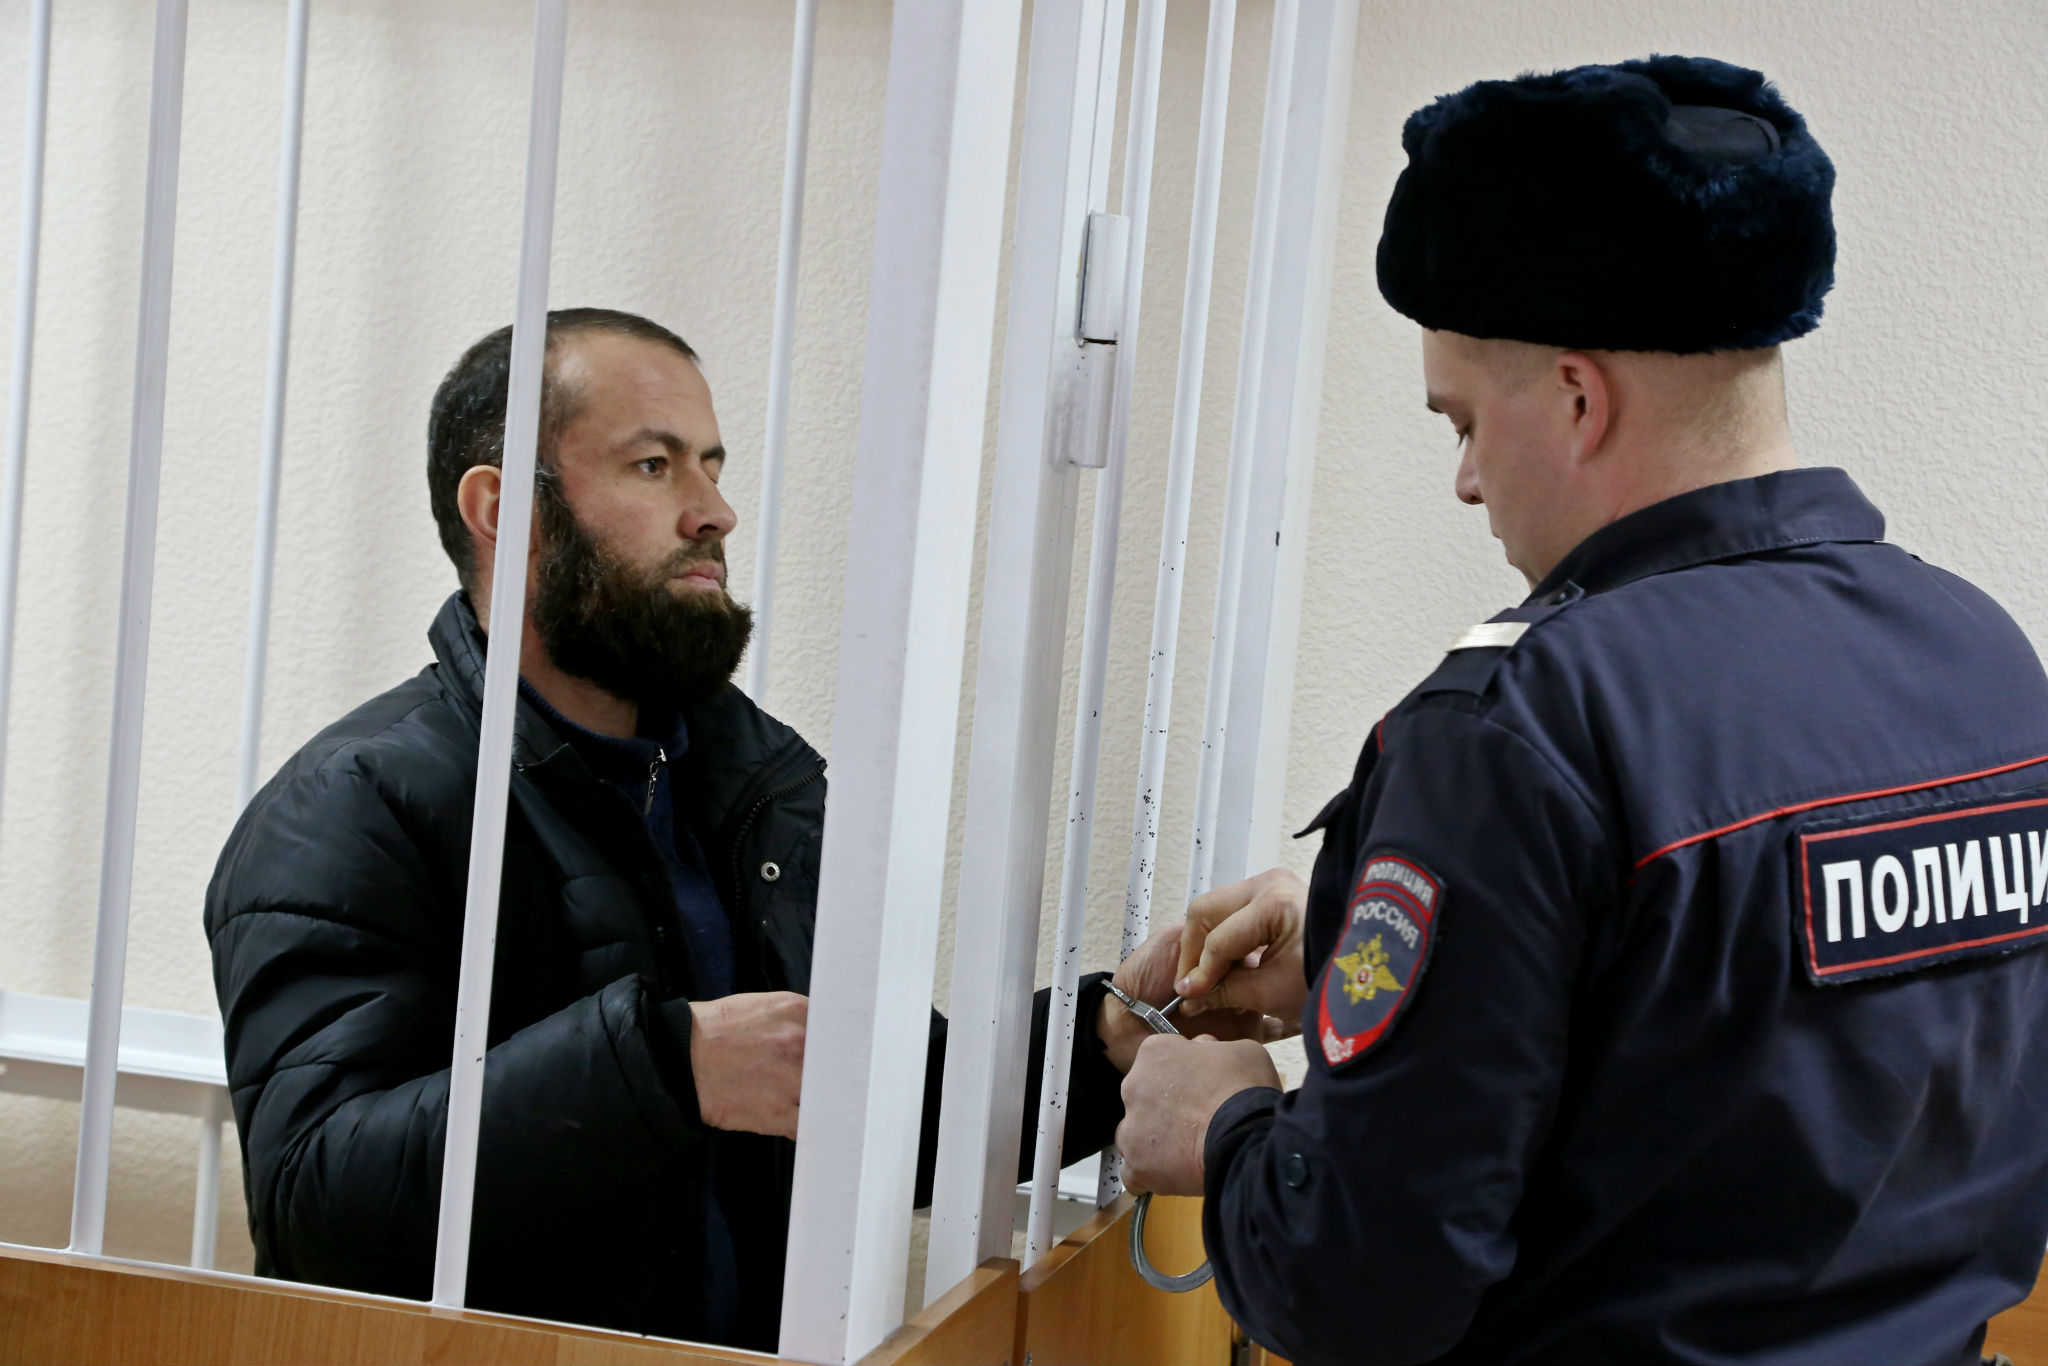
{"x": 1242, "y": 947}
{"x": 747, "y": 1055}
{"x": 1148, "y": 976}
{"x": 1171, "y": 1094}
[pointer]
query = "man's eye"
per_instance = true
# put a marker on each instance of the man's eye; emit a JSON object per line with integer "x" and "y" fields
{"x": 652, "y": 465}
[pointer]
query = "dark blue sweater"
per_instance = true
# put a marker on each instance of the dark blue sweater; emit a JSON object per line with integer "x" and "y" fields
{"x": 642, "y": 767}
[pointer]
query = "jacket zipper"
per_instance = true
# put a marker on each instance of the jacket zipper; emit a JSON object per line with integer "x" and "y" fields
{"x": 653, "y": 777}
{"x": 664, "y": 961}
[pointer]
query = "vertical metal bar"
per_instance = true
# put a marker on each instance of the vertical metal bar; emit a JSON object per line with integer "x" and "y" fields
{"x": 1180, "y": 484}
{"x": 931, "y": 322}
{"x": 1062, "y": 172}
{"x": 1260, "y": 692}
{"x": 501, "y": 661}
{"x": 34, "y": 138}
{"x": 781, "y": 343}
{"x": 1180, "y": 472}
{"x": 1134, "y": 204}
{"x": 206, "y": 1197}
{"x": 271, "y": 466}
{"x": 1251, "y": 356}
{"x": 131, "y": 651}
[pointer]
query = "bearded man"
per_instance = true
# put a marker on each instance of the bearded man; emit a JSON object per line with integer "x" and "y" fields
{"x": 655, "y": 927}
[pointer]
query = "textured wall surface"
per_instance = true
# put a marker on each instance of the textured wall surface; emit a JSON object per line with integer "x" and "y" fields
{"x": 1924, "y": 382}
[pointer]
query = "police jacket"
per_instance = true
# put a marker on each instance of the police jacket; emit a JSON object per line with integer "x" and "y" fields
{"x": 1674, "y": 984}
{"x": 335, "y": 914}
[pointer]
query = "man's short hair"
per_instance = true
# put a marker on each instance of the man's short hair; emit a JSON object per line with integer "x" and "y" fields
{"x": 467, "y": 427}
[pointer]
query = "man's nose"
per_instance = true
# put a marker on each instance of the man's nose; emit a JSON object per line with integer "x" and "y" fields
{"x": 706, "y": 514}
{"x": 1467, "y": 483}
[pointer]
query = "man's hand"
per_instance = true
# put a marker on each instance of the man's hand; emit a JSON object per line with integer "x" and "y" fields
{"x": 1148, "y": 976}
{"x": 1241, "y": 949}
{"x": 1171, "y": 1094}
{"x": 747, "y": 1055}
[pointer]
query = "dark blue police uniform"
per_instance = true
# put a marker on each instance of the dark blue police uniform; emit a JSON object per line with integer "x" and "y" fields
{"x": 1673, "y": 993}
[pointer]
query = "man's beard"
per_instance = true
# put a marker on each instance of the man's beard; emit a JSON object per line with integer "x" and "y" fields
{"x": 628, "y": 631}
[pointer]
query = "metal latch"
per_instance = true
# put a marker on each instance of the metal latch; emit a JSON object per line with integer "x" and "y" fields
{"x": 1085, "y": 382}
{"x": 1105, "y": 259}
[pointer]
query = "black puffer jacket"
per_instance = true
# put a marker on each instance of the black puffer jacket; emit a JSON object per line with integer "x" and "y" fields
{"x": 334, "y": 915}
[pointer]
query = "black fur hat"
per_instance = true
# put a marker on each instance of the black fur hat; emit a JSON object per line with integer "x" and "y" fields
{"x": 1669, "y": 204}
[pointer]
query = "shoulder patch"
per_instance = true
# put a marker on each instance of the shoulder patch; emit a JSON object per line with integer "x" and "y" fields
{"x": 1389, "y": 929}
{"x": 1489, "y": 635}
{"x": 1882, "y": 895}
{"x": 1471, "y": 660}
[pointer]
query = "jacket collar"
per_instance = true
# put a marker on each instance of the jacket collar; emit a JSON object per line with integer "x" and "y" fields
{"x": 459, "y": 644}
{"x": 1718, "y": 522}
{"x": 619, "y": 758}
{"x": 737, "y": 753}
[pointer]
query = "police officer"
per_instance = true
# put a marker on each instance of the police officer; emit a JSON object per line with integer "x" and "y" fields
{"x": 1669, "y": 972}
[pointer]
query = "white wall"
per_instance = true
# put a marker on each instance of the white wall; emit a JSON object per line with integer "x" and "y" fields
{"x": 1923, "y": 382}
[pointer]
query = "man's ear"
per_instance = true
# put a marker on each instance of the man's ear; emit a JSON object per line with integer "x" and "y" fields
{"x": 1588, "y": 397}
{"x": 476, "y": 498}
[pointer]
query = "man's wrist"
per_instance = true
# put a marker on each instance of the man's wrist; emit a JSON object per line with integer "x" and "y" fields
{"x": 669, "y": 1035}
{"x": 1119, "y": 1032}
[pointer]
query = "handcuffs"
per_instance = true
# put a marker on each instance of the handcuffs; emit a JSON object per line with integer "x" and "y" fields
{"x": 1156, "y": 1020}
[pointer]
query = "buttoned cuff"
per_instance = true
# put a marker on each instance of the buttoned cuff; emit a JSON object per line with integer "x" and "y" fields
{"x": 1236, "y": 1122}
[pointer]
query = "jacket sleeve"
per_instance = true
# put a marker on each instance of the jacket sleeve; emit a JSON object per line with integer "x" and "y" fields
{"x": 335, "y": 962}
{"x": 1362, "y": 1217}
{"x": 1095, "y": 1103}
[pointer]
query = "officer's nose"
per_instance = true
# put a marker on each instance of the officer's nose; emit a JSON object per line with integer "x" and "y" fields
{"x": 1467, "y": 484}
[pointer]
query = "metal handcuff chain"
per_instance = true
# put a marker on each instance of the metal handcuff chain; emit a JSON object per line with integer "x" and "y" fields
{"x": 1159, "y": 1280}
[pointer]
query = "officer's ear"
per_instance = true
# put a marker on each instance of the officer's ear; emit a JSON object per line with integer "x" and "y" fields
{"x": 1587, "y": 397}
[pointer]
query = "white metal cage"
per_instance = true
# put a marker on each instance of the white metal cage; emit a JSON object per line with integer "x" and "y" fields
{"x": 1076, "y": 275}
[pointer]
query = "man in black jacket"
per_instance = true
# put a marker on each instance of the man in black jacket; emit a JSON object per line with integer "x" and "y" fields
{"x": 655, "y": 927}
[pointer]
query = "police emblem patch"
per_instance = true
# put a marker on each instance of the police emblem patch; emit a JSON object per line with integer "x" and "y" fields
{"x": 1389, "y": 927}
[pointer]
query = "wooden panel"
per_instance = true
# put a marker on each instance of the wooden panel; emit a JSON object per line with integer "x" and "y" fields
{"x": 973, "y": 1324}
{"x": 2021, "y": 1332}
{"x": 58, "y": 1307}
{"x": 1083, "y": 1304}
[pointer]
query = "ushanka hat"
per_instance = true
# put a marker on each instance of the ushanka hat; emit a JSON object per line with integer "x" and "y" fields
{"x": 1670, "y": 204}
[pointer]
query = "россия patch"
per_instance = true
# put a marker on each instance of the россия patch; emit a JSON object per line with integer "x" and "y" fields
{"x": 1389, "y": 927}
